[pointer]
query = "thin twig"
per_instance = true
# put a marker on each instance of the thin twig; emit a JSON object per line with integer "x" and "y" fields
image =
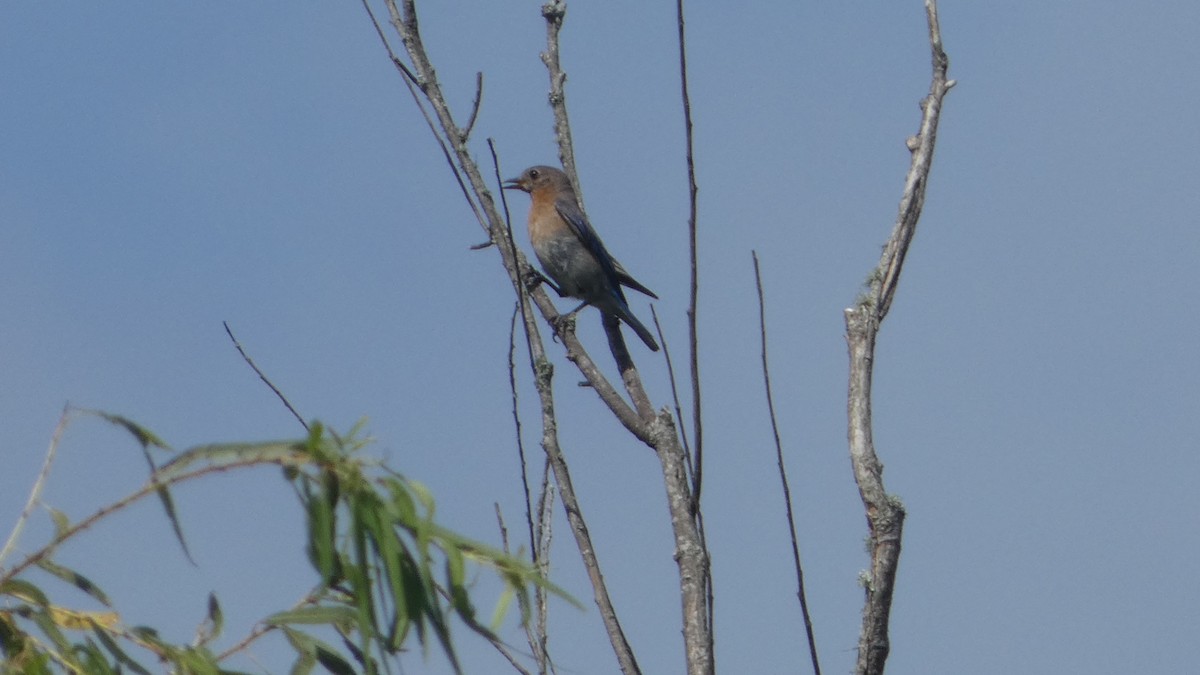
{"x": 512, "y": 386}
{"x": 694, "y": 278}
{"x": 693, "y": 309}
{"x": 151, "y": 487}
{"x": 529, "y": 636}
{"x": 36, "y": 493}
{"x": 787, "y": 492}
{"x": 466, "y": 133}
{"x": 413, "y": 83}
{"x": 263, "y": 377}
{"x": 545, "y": 537}
{"x": 662, "y": 339}
{"x": 262, "y": 629}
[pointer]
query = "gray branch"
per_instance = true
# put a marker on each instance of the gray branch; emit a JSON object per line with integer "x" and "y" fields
{"x": 885, "y": 513}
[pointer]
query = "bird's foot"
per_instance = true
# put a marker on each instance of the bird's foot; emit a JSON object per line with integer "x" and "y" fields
{"x": 564, "y": 324}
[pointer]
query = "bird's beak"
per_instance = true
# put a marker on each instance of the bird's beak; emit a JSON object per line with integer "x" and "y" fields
{"x": 513, "y": 184}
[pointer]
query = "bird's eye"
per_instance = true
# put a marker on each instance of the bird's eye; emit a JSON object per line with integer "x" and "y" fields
{"x": 534, "y": 173}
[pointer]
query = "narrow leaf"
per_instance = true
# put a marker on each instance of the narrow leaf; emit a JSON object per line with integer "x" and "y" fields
{"x": 228, "y": 454}
{"x": 116, "y": 651}
{"x": 502, "y": 605}
{"x": 164, "y": 495}
{"x": 145, "y": 437}
{"x": 213, "y": 622}
{"x": 75, "y": 579}
{"x": 333, "y": 662}
{"x": 306, "y": 651}
{"x": 61, "y": 522}
{"x": 23, "y": 590}
{"x": 337, "y": 616}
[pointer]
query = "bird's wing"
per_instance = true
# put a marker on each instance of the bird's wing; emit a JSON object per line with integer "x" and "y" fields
{"x": 577, "y": 221}
{"x": 627, "y": 280}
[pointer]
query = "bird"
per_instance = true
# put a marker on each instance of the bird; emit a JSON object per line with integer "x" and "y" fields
{"x": 571, "y": 252}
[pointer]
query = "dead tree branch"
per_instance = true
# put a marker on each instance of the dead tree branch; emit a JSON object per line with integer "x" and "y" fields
{"x": 691, "y": 551}
{"x": 885, "y": 513}
{"x": 787, "y": 490}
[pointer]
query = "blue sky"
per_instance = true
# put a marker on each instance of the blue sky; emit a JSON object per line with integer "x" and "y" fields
{"x": 167, "y": 167}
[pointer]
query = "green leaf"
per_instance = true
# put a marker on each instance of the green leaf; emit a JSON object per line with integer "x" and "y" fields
{"x": 164, "y": 495}
{"x": 145, "y": 437}
{"x": 45, "y": 623}
{"x": 456, "y": 577}
{"x": 75, "y": 579}
{"x": 94, "y": 661}
{"x": 286, "y": 452}
{"x": 332, "y": 661}
{"x": 321, "y": 537}
{"x": 61, "y": 523}
{"x": 423, "y": 495}
{"x": 196, "y": 662}
{"x": 331, "y": 615}
{"x": 23, "y": 590}
{"x": 148, "y": 439}
{"x": 313, "y": 651}
{"x": 213, "y": 622}
{"x": 116, "y": 651}
{"x": 391, "y": 553}
{"x": 306, "y": 651}
{"x": 502, "y": 606}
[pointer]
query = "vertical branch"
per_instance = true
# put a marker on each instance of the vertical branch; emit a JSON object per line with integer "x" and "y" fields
{"x": 543, "y": 373}
{"x": 691, "y": 552}
{"x": 885, "y": 513}
{"x": 545, "y": 520}
{"x": 554, "y": 12}
{"x": 697, "y": 461}
{"x": 535, "y": 634}
{"x": 691, "y": 555}
{"x": 693, "y": 340}
{"x": 787, "y": 492}
{"x": 543, "y": 376}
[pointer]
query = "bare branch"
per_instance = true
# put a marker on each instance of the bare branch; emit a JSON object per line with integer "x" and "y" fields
{"x": 691, "y": 555}
{"x": 885, "y": 513}
{"x": 697, "y": 475}
{"x": 662, "y": 339}
{"x": 500, "y": 647}
{"x": 261, "y": 376}
{"x": 884, "y": 282}
{"x": 787, "y": 492}
{"x": 554, "y": 12}
{"x": 543, "y": 374}
{"x": 545, "y": 537}
{"x": 262, "y": 629}
{"x": 694, "y": 278}
{"x": 474, "y": 107}
{"x": 35, "y": 494}
{"x": 512, "y": 387}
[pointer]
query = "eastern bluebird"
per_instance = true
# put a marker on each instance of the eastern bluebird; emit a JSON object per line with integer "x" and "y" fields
{"x": 571, "y": 252}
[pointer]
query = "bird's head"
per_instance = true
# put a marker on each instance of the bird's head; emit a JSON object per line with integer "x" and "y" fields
{"x": 539, "y": 178}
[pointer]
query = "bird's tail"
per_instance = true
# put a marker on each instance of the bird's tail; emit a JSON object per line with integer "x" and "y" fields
{"x": 623, "y": 313}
